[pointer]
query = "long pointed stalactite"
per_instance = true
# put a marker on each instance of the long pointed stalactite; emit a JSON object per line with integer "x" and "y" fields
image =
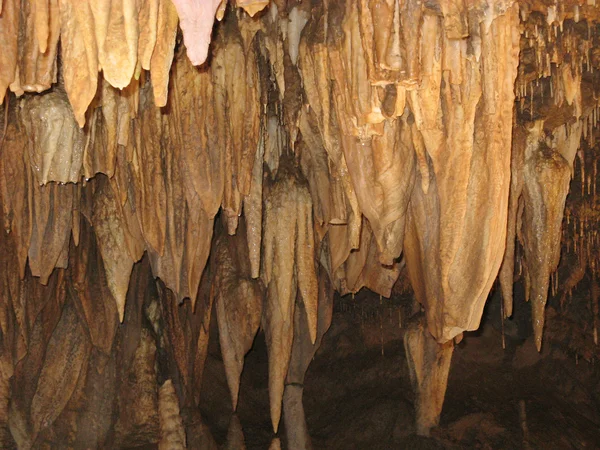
{"x": 161, "y": 160}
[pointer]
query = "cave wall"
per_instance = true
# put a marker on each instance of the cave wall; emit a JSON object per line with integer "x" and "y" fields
{"x": 154, "y": 166}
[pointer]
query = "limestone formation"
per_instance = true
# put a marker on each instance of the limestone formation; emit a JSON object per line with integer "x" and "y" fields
{"x": 160, "y": 158}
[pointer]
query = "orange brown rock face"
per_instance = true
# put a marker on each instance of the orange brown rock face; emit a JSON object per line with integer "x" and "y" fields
{"x": 340, "y": 140}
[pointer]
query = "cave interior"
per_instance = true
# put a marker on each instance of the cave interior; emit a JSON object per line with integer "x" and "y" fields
{"x": 298, "y": 224}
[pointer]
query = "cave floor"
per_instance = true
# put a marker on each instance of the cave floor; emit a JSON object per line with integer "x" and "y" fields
{"x": 357, "y": 398}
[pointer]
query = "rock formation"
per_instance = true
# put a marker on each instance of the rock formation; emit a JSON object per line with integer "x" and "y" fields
{"x": 163, "y": 158}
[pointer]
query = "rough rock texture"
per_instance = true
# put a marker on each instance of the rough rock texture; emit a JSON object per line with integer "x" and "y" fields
{"x": 288, "y": 274}
{"x": 303, "y": 351}
{"x": 326, "y": 145}
{"x": 429, "y": 365}
{"x": 453, "y": 261}
{"x": 172, "y": 433}
{"x": 239, "y": 304}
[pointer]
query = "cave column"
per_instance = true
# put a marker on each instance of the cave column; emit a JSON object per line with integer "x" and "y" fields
{"x": 429, "y": 366}
{"x": 295, "y": 422}
{"x": 303, "y": 351}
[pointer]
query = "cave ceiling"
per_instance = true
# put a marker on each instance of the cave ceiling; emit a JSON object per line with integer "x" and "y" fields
{"x": 345, "y": 141}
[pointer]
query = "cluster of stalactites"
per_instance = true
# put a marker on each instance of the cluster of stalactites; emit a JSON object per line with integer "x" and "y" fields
{"x": 169, "y": 173}
{"x": 118, "y": 39}
{"x": 557, "y": 113}
{"x": 343, "y": 143}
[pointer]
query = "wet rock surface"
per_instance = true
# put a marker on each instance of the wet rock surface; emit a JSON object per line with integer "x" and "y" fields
{"x": 175, "y": 174}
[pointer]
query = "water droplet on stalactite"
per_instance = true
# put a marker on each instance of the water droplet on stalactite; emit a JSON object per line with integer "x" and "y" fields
{"x": 502, "y": 322}
{"x": 381, "y": 331}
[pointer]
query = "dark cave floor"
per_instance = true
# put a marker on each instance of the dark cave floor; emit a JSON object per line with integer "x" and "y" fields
{"x": 357, "y": 398}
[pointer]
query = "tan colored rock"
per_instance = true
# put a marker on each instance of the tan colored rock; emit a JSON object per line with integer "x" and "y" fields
{"x": 79, "y": 47}
{"x": 16, "y": 184}
{"x": 162, "y": 55}
{"x": 38, "y": 45}
{"x": 288, "y": 270}
{"x": 196, "y": 134}
{"x": 429, "y": 365}
{"x": 172, "y": 433}
{"x": 56, "y": 143}
{"x": 110, "y": 232}
{"x": 94, "y": 299}
{"x": 546, "y": 178}
{"x": 148, "y": 180}
{"x": 441, "y": 256}
{"x": 252, "y": 6}
{"x": 51, "y": 228}
{"x": 138, "y": 420}
{"x": 9, "y": 34}
{"x": 66, "y": 360}
{"x": 239, "y": 303}
{"x": 148, "y": 24}
{"x": 120, "y": 50}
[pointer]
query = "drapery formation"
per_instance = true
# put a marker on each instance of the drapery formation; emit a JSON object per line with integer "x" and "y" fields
{"x": 315, "y": 139}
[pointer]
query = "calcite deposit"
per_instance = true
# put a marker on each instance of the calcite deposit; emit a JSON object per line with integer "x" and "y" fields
{"x": 161, "y": 159}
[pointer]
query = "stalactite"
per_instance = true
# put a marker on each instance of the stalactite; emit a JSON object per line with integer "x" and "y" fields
{"x": 110, "y": 229}
{"x": 288, "y": 271}
{"x": 162, "y": 54}
{"x": 238, "y": 303}
{"x": 138, "y": 419}
{"x": 66, "y": 360}
{"x": 79, "y": 55}
{"x": 196, "y": 20}
{"x": 461, "y": 307}
{"x": 547, "y": 176}
{"x": 429, "y": 364}
{"x": 325, "y": 139}
{"x": 9, "y": 34}
{"x": 38, "y": 39}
